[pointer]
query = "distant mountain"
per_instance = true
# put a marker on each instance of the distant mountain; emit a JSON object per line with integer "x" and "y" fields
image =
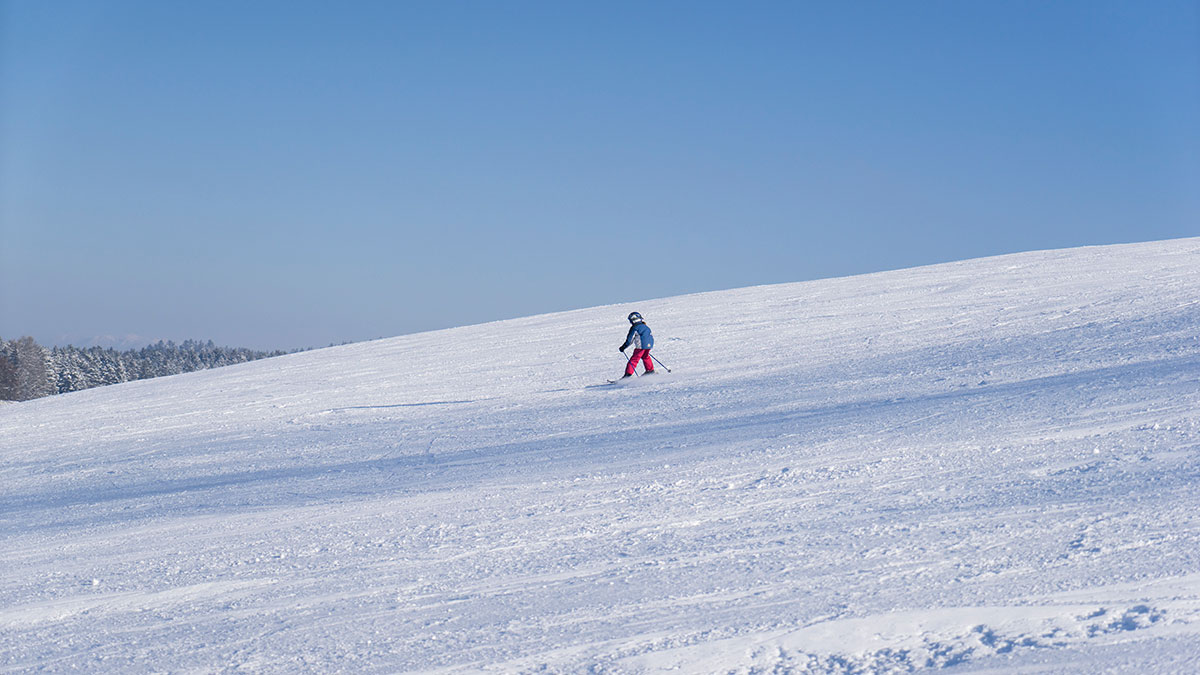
{"x": 117, "y": 342}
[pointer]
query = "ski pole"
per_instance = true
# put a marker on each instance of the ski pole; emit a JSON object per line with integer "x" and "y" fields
{"x": 628, "y": 359}
{"x": 659, "y": 362}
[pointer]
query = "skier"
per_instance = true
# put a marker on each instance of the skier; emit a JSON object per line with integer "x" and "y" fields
{"x": 642, "y": 341}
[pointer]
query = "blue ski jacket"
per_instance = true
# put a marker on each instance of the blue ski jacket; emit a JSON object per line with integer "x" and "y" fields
{"x": 639, "y": 336}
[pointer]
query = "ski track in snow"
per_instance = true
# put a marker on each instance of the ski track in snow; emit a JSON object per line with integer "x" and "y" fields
{"x": 979, "y": 466}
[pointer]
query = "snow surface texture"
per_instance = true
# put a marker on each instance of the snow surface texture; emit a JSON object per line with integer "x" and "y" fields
{"x": 978, "y": 466}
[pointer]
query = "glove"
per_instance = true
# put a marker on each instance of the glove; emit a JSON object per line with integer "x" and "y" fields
{"x": 621, "y": 349}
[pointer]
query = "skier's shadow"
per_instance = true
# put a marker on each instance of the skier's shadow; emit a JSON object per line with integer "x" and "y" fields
{"x": 400, "y": 405}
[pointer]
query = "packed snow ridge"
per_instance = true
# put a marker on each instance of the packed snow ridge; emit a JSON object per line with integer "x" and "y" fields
{"x": 986, "y": 465}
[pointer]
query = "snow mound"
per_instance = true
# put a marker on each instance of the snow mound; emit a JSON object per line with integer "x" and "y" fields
{"x": 977, "y": 466}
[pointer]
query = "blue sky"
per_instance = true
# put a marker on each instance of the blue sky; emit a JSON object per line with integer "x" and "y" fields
{"x": 286, "y": 174}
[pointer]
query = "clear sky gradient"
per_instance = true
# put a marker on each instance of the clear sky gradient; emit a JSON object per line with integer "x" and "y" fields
{"x": 287, "y": 174}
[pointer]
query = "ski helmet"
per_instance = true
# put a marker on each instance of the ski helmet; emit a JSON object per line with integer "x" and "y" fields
{"x": 634, "y": 317}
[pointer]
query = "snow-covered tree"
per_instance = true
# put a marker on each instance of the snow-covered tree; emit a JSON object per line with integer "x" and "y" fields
{"x": 32, "y": 370}
{"x": 28, "y": 370}
{"x": 8, "y": 372}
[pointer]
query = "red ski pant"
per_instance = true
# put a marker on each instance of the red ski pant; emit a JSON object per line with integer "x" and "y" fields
{"x": 642, "y": 355}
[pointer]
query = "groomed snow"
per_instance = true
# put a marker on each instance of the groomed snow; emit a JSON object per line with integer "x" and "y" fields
{"x": 979, "y": 466}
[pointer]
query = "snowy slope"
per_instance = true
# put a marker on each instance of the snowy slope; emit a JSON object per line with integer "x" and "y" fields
{"x": 983, "y": 465}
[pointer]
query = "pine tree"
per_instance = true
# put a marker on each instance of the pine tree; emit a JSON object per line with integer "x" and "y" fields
{"x": 33, "y": 372}
{"x": 8, "y": 372}
{"x": 29, "y": 371}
